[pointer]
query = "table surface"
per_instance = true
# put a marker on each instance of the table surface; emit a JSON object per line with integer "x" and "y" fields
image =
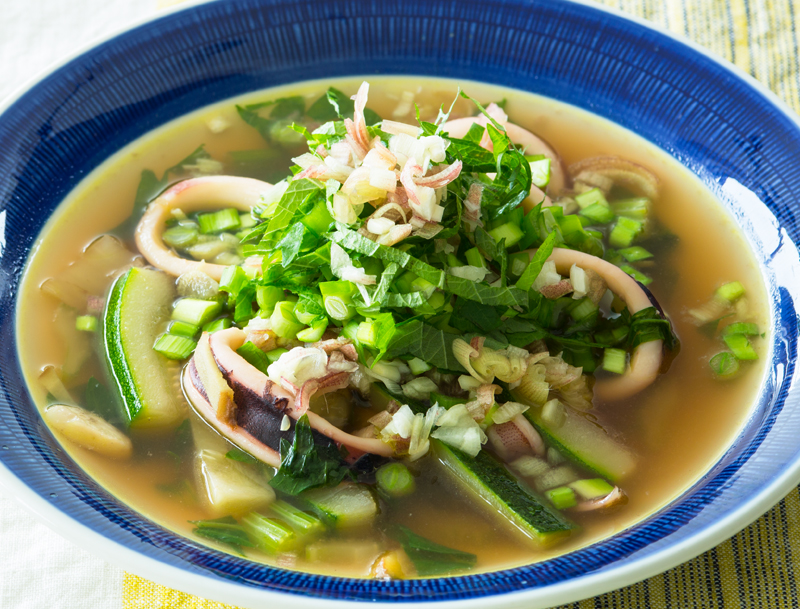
{"x": 40, "y": 570}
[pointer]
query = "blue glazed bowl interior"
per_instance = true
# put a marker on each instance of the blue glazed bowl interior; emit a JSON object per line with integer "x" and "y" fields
{"x": 713, "y": 121}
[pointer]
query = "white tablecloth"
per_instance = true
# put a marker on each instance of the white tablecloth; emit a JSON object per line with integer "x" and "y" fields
{"x": 39, "y": 569}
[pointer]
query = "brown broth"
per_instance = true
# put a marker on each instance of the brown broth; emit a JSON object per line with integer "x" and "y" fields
{"x": 679, "y": 426}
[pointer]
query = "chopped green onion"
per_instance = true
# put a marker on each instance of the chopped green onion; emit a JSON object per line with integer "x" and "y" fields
{"x": 741, "y": 327}
{"x": 180, "y": 237}
{"x": 452, "y": 260}
{"x": 724, "y": 364}
{"x": 562, "y": 497}
{"x": 540, "y": 172}
{"x": 591, "y": 197}
{"x": 218, "y": 221}
{"x": 517, "y": 263}
{"x": 284, "y": 323}
{"x": 614, "y": 360}
{"x": 223, "y": 323}
{"x": 174, "y": 347}
{"x": 624, "y": 232}
{"x": 613, "y": 336}
{"x": 86, "y": 323}
{"x": 637, "y": 208}
{"x": 268, "y": 534}
{"x": 446, "y": 401}
{"x": 740, "y": 346}
{"x": 181, "y": 328}
{"x": 569, "y": 224}
{"x": 233, "y": 280}
{"x": 418, "y": 366}
{"x": 582, "y": 309}
{"x": 337, "y": 298}
{"x": 318, "y": 220}
{"x": 509, "y": 231}
{"x": 731, "y": 291}
{"x": 275, "y": 354}
{"x": 436, "y": 300}
{"x": 395, "y": 480}
{"x": 367, "y": 333}
{"x": 598, "y": 213}
{"x": 637, "y": 275}
{"x": 254, "y": 356}
{"x": 302, "y": 523}
{"x": 475, "y": 258}
{"x": 591, "y": 489}
{"x": 635, "y": 253}
{"x": 315, "y": 332}
{"x": 267, "y": 296}
{"x": 247, "y": 221}
{"x": 422, "y": 285}
{"x": 196, "y": 312}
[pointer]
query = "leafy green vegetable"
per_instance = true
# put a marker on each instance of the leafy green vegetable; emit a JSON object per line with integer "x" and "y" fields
{"x": 225, "y": 531}
{"x": 306, "y": 464}
{"x": 237, "y": 454}
{"x": 99, "y": 400}
{"x": 531, "y": 272}
{"x": 431, "y": 558}
{"x": 421, "y": 340}
{"x": 648, "y": 324}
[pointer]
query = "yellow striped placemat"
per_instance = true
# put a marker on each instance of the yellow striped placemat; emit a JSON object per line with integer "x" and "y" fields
{"x": 757, "y": 567}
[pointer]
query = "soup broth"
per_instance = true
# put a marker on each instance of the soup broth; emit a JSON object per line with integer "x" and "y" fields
{"x": 677, "y": 427}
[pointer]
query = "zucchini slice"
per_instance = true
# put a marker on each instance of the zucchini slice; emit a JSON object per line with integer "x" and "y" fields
{"x": 585, "y": 444}
{"x": 502, "y": 495}
{"x": 137, "y": 311}
{"x": 344, "y": 506}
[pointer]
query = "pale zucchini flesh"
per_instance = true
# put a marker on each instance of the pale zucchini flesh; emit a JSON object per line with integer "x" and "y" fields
{"x": 228, "y": 487}
{"x": 137, "y": 311}
{"x": 344, "y": 506}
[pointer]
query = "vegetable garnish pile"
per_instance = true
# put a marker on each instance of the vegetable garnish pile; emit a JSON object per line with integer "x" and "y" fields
{"x": 445, "y": 280}
{"x": 394, "y": 235}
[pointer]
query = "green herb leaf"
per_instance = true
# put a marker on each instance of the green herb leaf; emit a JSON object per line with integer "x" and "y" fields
{"x": 237, "y": 454}
{"x": 431, "y": 558}
{"x": 290, "y": 243}
{"x": 421, "y": 340}
{"x": 306, "y": 464}
{"x": 531, "y": 272}
{"x": 225, "y": 531}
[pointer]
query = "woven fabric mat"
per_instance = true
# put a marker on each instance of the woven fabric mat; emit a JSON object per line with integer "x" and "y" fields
{"x": 757, "y": 567}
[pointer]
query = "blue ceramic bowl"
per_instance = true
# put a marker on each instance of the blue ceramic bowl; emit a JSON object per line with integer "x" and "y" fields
{"x": 733, "y": 134}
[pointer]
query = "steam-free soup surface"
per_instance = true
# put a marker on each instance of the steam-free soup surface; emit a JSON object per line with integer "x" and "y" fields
{"x": 677, "y": 427}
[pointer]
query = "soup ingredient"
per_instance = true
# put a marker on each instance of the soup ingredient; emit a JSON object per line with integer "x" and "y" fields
{"x": 136, "y": 313}
{"x": 344, "y": 506}
{"x": 230, "y": 487}
{"x": 494, "y": 487}
{"x": 263, "y": 412}
{"x": 224, "y": 530}
{"x": 303, "y": 524}
{"x": 582, "y": 442}
{"x": 431, "y": 558}
{"x": 395, "y": 480}
{"x": 197, "y": 194}
{"x": 269, "y": 535}
{"x": 88, "y": 430}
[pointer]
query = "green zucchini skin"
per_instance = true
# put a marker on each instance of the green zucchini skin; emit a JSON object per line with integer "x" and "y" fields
{"x": 586, "y": 445}
{"x": 485, "y": 476}
{"x": 136, "y": 312}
